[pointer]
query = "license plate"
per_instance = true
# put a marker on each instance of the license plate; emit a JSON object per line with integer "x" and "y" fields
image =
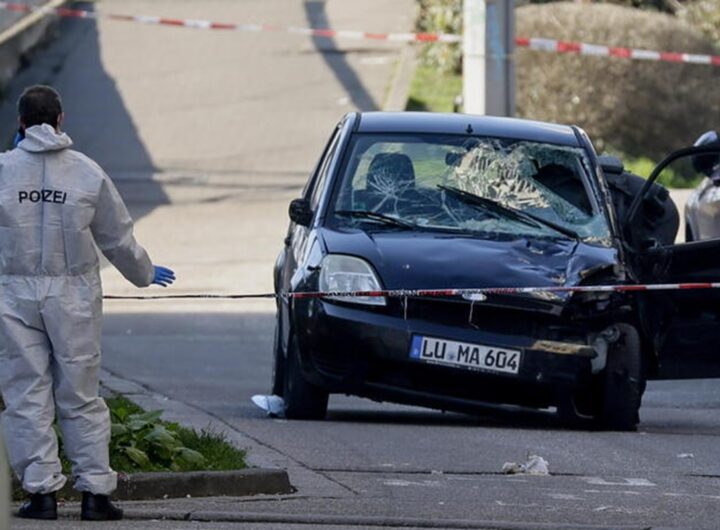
{"x": 464, "y": 355}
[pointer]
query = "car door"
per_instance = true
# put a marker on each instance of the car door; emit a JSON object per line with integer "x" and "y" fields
{"x": 291, "y": 264}
{"x": 684, "y": 320}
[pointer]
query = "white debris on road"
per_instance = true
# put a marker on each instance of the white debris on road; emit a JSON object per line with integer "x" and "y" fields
{"x": 536, "y": 465}
{"x": 273, "y": 405}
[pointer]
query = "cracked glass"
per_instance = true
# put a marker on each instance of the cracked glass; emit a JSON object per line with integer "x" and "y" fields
{"x": 491, "y": 187}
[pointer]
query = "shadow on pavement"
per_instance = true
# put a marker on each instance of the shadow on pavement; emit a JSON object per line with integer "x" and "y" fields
{"x": 515, "y": 419}
{"x": 337, "y": 60}
{"x": 96, "y": 116}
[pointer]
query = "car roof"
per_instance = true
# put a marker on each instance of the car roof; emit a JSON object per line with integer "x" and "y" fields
{"x": 447, "y": 123}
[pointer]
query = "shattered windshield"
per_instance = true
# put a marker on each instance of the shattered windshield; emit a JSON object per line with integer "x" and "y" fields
{"x": 484, "y": 186}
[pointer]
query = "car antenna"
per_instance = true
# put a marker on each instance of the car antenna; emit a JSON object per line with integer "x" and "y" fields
{"x": 469, "y": 129}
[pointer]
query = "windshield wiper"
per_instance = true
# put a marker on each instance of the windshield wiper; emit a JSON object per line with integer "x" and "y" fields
{"x": 375, "y": 216}
{"x": 508, "y": 212}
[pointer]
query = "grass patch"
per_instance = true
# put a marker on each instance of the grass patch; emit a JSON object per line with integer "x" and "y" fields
{"x": 677, "y": 175}
{"x": 218, "y": 453}
{"x": 433, "y": 91}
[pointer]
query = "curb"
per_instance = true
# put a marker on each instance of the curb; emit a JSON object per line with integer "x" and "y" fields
{"x": 317, "y": 520}
{"x": 143, "y": 486}
{"x": 152, "y": 486}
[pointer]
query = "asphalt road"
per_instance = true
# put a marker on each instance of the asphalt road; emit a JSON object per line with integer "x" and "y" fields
{"x": 209, "y": 135}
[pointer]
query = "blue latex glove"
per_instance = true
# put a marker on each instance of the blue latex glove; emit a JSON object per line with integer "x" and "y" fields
{"x": 163, "y": 276}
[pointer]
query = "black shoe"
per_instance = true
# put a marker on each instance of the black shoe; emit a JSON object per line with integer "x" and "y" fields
{"x": 99, "y": 508}
{"x": 40, "y": 506}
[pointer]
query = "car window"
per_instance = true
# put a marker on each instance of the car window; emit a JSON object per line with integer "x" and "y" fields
{"x": 310, "y": 184}
{"x": 322, "y": 175}
{"x": 480, "y": 185}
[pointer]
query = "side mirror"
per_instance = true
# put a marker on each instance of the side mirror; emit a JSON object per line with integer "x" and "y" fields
{"x": 300, "y": 212}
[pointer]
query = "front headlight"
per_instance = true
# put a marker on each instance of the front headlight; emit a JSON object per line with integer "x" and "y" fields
{"x": 349, "y": 274}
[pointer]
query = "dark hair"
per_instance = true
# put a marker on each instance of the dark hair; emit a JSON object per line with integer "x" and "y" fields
{"x": 40, "y": 104}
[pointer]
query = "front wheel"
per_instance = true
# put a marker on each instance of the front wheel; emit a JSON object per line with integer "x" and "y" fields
{"x": 623, "y": 382}
{"x": 303, "y": 400}
{"x": 278, "y": 369}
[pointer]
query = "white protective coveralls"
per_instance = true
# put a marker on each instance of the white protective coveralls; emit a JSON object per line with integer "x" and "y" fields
{"x": 55, "y": 205}
{"x": 4, "y": 487}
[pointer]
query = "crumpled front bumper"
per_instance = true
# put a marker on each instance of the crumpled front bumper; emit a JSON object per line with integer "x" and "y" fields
{"x": 358, "y": 350}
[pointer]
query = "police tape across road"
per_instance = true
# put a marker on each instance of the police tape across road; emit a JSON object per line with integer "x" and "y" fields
{"x": 434, "y": 293}
{"x": 537, "y": 44}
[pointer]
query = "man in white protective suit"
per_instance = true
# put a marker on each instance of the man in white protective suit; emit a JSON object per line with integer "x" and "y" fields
{"x": 56, "y": 206}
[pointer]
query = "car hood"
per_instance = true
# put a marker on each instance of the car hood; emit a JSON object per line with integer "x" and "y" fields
{"x": 423, "y": 260}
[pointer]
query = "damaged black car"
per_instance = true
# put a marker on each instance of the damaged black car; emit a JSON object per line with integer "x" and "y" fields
{"x": 411, "y": 201}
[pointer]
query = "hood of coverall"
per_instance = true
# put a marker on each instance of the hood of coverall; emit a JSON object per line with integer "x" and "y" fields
{"x": 42, "y": 138}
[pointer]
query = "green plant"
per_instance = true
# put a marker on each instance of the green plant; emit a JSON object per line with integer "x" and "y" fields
{"x": 219, "y": 454}
{"x": 140, "y": 441}
{"x": 678, "y": 175}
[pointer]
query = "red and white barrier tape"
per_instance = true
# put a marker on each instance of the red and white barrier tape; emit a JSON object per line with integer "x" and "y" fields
{"x": 435, "y": 293}
{"x": 582, "y": 48}
{"x": 255, "y": 28}
{"x": 539, "y": 44}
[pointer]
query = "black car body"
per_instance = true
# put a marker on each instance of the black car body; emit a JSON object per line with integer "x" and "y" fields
{"x": 404, "y": 201}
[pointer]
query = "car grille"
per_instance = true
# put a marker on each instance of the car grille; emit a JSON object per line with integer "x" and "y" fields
{"x": 463, "y": 313}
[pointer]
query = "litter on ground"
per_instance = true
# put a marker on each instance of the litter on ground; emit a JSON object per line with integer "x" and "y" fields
{"x": 273, "y": 405}
{"x": 536, "y": 465}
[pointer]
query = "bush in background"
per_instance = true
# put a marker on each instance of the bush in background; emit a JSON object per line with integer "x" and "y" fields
{"x": 441, "y": 16}
{"x": 635, "y": 108}
{"x": 705, "y": 15}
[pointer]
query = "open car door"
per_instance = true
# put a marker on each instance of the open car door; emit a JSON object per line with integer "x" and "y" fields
{"x": 684, "y": 323}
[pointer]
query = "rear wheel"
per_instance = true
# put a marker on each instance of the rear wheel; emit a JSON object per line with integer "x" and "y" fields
{"x": 303, "y": 400}
{"x": 623, "y": 382}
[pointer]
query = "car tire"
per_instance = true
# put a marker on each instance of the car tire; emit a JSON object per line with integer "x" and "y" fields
{"x": 623, "y": 382}
{"x": 278, "y": 369}
{"x": 579, "y": 408}
{"x": 303, "y": 400}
